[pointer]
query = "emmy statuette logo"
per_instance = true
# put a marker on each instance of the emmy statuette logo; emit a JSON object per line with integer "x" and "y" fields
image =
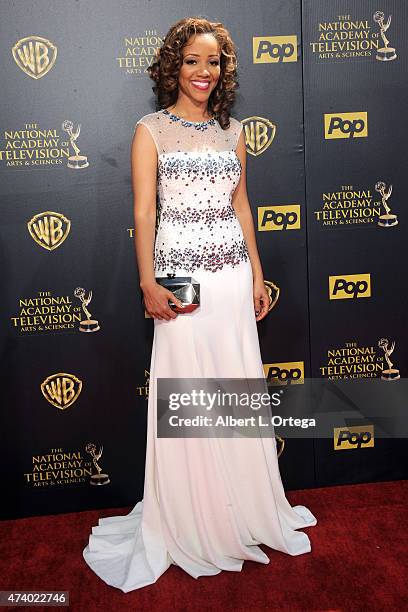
{"x": 49, "y": 229}
{"x": 89, "y": 324}
{"x": 61, "y": 389}
{"x": 34, "y": 55}
{"x": 77, "y": 161}
{"x": 259, "y": 134}
{"x": 390, "y": 373}
{"x": 388, "y": 219}
{"x": 99, "y": 478}
{"x": 386, "y": 53}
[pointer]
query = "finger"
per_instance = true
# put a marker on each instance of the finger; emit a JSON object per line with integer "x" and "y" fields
{"x": 261, "y": 315}
{"x": 160, "y": 313}
{"x": 169, "y": 313}
{"x": 175, "y": 300}
{"x": 257, "y": 306}
{"x": 155, "y": 314}
{"x": 262, "y": 309}
{"x": 171, "y": 309}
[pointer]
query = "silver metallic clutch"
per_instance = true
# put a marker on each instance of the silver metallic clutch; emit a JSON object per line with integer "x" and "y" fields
{"x": 185, "y": 288}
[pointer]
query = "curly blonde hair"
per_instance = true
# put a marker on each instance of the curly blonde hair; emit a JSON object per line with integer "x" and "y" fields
{"x": 168, "y": 59}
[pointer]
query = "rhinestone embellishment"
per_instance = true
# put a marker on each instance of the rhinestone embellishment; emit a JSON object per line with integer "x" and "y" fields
{"x": 198, "y": 171}
{"x": 198, "y": 225}
{"x": 198, "y": 125}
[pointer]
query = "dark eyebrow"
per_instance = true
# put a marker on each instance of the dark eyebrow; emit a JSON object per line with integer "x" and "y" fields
{"x": 198, "y": 55}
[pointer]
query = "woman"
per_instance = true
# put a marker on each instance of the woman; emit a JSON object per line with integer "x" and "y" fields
{"x": 208, "y": 502}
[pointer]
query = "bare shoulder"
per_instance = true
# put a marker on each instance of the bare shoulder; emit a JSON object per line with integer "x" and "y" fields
{"x": 152, "y": 123}
{"x": 234, "y": 131}
{"x": 150, "y": 119}
{"x": 235, "y": 124}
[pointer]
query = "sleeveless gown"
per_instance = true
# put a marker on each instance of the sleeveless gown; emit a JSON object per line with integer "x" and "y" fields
{"x": 208, "y": 502}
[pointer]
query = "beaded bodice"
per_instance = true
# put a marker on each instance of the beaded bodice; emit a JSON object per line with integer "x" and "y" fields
{"x": 197, "y": 174}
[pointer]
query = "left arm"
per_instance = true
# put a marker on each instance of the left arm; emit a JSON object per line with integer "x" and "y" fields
{"x": 243, "y": 211}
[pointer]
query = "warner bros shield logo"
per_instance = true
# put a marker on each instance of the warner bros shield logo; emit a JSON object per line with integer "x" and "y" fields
{"x": 273, "y": 293}
{"x": 35, "y": 55}
{"x": 49, "y": 229}
{"x": 61, "y": 389}
{"x": 259, "y": 134}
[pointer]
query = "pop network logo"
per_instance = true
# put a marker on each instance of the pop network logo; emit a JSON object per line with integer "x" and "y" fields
{"x": 358, "y": 436}
{"x": 34, "y": 55}
{"x": 274, "y": 49}
{"x": 285, "y": 373}
{"x": 278, "y": 217}
{"x": 349, "y": 286}
{"x": 345, "y": 125}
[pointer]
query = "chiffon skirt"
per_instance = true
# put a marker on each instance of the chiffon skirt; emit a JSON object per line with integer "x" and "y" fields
{"x": 208, "y": 502}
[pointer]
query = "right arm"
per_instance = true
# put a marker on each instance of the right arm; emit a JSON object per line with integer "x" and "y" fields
{"x": 144, "y": 177}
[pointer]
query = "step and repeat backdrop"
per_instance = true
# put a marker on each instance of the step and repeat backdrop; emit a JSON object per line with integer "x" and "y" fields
{"x": 322, "y": 98}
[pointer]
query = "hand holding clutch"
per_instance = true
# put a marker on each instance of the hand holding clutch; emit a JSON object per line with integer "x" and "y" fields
{"x": 185, "y": 288}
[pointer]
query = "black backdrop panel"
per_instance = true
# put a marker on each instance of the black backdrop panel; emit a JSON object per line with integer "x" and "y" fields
{"x": 344, "y": 74}
{"x": 65, "y": 228}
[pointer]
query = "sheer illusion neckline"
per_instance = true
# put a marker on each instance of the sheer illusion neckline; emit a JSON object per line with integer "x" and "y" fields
{"x": 186, "y": 122}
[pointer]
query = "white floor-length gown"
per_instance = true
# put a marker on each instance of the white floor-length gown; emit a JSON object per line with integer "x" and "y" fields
{"x": 208, "y": 502}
